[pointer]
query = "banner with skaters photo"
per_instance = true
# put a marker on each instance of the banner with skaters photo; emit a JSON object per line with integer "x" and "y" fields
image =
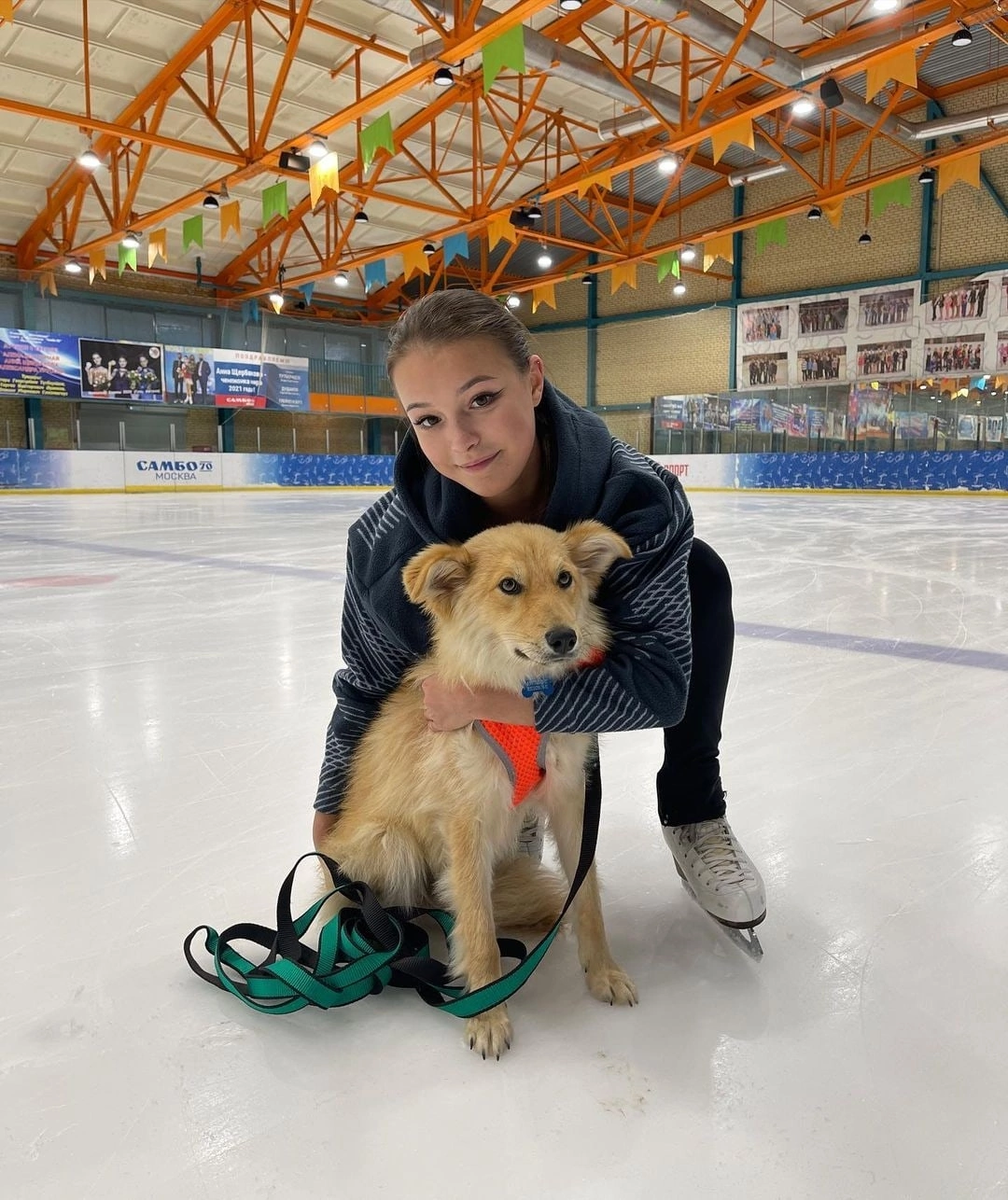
{"x": 39, "y": 364}
{"x": 870, "y": 410}
{"x": 121, "y": 371}
{"x": 189, "y": 375}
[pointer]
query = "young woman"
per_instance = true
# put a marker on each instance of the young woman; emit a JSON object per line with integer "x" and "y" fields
{"x": 493, "y": 441}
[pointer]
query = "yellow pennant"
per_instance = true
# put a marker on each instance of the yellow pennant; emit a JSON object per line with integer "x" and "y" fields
{"x": 499, "y": 228}
{"x": 622, "y": 273}
{"x": 47, "y": 283}
{"x": 964, "y": 170}
{"x": 740, "y": 130}
{"x": 900, "y": 65}
{"x": 7, "y": 10}
{"x": 833, "y": 211}
{"x": 323, "y": 174}
{"x": 157, "y": 246}
{"x": 414, "y": 259}
{"x": 96, "y": 259}
{"x": 544, "y": 293}
{"x": 715, "y": 248}
{"x": 603, "y": 181}
{"x": 230, "y": 219}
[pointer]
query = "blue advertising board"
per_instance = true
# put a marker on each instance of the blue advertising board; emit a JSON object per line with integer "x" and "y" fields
{"x": 39, "y": 364}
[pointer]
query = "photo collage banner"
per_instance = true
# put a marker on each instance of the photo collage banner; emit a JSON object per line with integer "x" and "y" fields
{"x": 59, "y": 366}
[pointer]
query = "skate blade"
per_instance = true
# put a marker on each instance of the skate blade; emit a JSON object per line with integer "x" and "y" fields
{"x": 744, "y": 938}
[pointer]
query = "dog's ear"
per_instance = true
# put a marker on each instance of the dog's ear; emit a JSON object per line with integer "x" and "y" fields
{"x": 433, "y": 577}
{"x": 594, "y": 547}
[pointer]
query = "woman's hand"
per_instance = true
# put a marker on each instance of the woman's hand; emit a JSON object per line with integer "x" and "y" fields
{"x": 451, "y": 706}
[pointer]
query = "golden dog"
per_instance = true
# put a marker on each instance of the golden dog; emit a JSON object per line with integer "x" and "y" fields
{"x": 430, "y": 814}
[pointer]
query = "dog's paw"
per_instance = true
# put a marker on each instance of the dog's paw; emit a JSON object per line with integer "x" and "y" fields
{"x": 611, "y": 984}
{"x": 489, "y": 1034}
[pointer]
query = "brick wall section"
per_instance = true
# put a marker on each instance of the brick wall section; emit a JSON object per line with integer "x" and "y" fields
{"x": 664, "y": 356}
{"x": 12, "y": 418}
{"x": 565, "y": 356}
{"x": 633, "y": 428}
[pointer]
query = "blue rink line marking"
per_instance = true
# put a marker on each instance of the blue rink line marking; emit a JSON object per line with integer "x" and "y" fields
{"x": 952, "y": 656}
{"x": 179, "y": 556}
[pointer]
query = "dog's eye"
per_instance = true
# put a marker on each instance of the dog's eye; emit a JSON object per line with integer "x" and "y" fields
{"x": 509, "y": 586}
{"x": 565, "y": 579}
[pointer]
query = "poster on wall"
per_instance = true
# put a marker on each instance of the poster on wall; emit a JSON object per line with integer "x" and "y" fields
{"x": 744, "y": 412}
{"x": 823, "y": 316}
{"x": 1002, "y": 350}
{"x": 1004, "y": 295}
{"x": 883, "y": 358}
{"x": 816, "y": 421}
{"x": 836, "y": 423}
{"x": 967, "y": 426}
{"x": 39, "y": 364}
{"x": 670, "y": 413}
{"x": 189, "y": 375}
{"x": 964, "y": 303}
{"x": 870, "y": 410}
{"x": 238, "y": 379}
{"x": 877, "y": 309}
{"x": 819, "y": 364}
{"x": 716, "y": 413}
{"x": 765, "y": 370}
{"x": 797, "y": 422}
{"x": 912, "y": 424}
{"x": 121, "y": 370}
{"x": 285, "y": 382}
{"x": 952, "y": 355}
{"x": 768, "y": 323}
{"x": 995, "y": 429}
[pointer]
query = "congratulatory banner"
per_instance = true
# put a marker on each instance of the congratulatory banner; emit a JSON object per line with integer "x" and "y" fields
{"x": 60, "y": 366}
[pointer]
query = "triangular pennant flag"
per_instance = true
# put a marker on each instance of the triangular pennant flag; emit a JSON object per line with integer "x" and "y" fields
{"x": 47, "y": 283}
{"x": 157, "y": 244}
{"x": 544, "y": 293}
{"x": 192, "y": 232}
{"x": 771, "y": 233}
{"x": 414, "y": 259}
{"x": 500, "y": 228}
{"x": 127, "y": 259}
{"x": 740, "y": 130}
{"x": 323, "y": 174}
{"x": 376, "y": 136}
{"x": 719, "y": 247}
{"x": 602, "y": 180}
{"x": 965, "y": 170}
{"x": 620, "y": 274}
{"x": 7, "y": 10}
{"x": 833, "y": 211}
{"x": 250, "y": 312}
{"x": 96, "y": 259}
{"x": 230, "y": 219}
{"x": 307, "y": 290}
{"x": 896, "y": 191}
{"x": 508, "y": 50}
{"x": 456, "y": 245}
{"x": 668, "y": 264}
{"x": 374, "y": 272}
{"x": 900, "y": 65}
{"x": 274, "y": 202}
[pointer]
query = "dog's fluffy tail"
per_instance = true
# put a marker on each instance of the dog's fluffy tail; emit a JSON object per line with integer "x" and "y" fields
{"x": 526, "y": 895}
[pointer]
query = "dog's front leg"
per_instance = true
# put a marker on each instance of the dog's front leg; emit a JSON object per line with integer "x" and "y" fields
{"x": 475, "y": 954}
{"x": 605, "y": 977}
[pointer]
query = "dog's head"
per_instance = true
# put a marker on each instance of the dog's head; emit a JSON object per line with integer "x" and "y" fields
{"x": 516, "y": 600}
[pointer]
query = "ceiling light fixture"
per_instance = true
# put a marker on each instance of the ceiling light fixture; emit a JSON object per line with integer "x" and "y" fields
{"x": 89, "y": 160}
{"x": 429, "y": 248}
{"x": 668, "y": 163}
{"x": 885, "y": 6}
{"x": 864, "y": 239}
{"x": 513, "y": 301}
{"x": 962, "y": 36}
{"x": 210, "y": 201}
{"x": 545, "y": 260}
{"x": 679, "y": 289}
{"x": 804, "y": 106}
{"x": 815, "y": 213}
{"x": 443, "y": 77}
{"x": 688, "y": 253}
{"x": 73, "y": 267}
{"x": 926, "y": 176}
{"x": 292, "y": 160}
{"x": 587, "y": 279}
{"x": 341, "y": 279}
{"x": 534, "y": 212}
{"x": 570, "y": 5}
{"x": 131, "y": 241}
{"x": 360, "y": 217}
{"x": 316, "y": 148}
{"x": 277, "y": 298}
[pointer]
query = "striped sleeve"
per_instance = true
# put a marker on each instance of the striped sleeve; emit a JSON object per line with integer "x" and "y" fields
{"x": 643, "y": 682}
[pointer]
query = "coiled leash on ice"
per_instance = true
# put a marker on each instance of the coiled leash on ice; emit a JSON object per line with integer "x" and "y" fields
{"x": 365, "y": 948}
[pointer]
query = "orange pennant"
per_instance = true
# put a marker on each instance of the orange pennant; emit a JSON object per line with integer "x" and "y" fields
{"x": 603, "y": 181}
{"x": 500, "y": 228}
{"x": 7, "y": 10}
{"x": 715, "y": 248}
{"x": 899, "y": 65}
{"x": 157, "y": 246}
{"x": 544, "y": 293}
{"x": 414, "y": 259}
{"x": 740, "y": 130}
{"x": 96, "y": 259}
{"x": 230, "y": 219}
{"x": 622, "y": 273}
{"x": 965, "y": 170}
{"x": 323, "y": 174}
{"x": 833, "y": 211}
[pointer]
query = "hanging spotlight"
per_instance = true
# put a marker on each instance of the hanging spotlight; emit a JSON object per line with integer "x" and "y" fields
{"x": 864, "y": 239}
{"x": 668, "y": 163}
{"x": 688, "y": 253}
{"x": 341, "y": 279}
{"x": 534, "y": 213}
{"x": 885, "y": 6}
{"x": 131, "y": 241}
{"x": 210, "y": 201}
{"x": 277, "y": 298}
{"x": 360, "y": 217}
{"x": 429, "y": 248}
{"x": 316, "y": 148}
{"x": 545, "y": 260}
{"x": 803, "y": 107}
{"x": 926, "y": 176}
{"x": 89, "y": 160}
{"x": 570, "y": 5}
{"x": 443, "y": 77}
{"x": 513, "y": 301}
{"x": 679, "y": 289}
{"x": 962, "y": 36}
{"x": 587, "y": 279}
{"x": 73, "y": 267}
{"x": 815, "y": 213}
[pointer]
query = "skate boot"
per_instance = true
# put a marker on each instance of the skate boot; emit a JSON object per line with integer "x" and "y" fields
{"x": 530, "y": 836}
{"x": 721, "y": 877}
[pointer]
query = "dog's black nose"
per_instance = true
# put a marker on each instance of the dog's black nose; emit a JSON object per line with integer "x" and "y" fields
{"x": 561, "y": 640}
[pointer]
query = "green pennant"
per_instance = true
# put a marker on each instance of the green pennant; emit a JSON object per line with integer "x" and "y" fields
{"x": 506, "y": 51}
{"x": 192, "y": 232}
{"x": 897, "y": 191}
{"x": 771, "y": 233}
{"x": 668, "y": 264}
{"x": 274, "y": 202}
{"x": 127, "y": 258}
{"x": 376, "y": 136}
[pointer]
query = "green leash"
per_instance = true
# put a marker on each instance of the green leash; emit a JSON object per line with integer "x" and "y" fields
{"x": 365, "y": 948}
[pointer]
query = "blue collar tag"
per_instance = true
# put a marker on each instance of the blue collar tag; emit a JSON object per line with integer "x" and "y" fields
{"x": 537, "y": 687}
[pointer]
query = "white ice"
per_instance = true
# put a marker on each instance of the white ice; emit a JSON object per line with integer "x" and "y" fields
{"x": 165, "y": 665}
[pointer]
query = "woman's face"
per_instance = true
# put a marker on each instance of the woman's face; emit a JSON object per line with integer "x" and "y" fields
{"x": 473, "y": 414}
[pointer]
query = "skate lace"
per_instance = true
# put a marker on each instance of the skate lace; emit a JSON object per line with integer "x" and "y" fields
{"x": 720, "y": 853}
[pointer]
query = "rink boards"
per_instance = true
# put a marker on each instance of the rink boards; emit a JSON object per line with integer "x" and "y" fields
{"x": 114, "y": 471}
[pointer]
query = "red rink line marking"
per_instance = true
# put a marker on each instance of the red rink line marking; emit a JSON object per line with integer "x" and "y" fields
{"x": 57, "y": 581}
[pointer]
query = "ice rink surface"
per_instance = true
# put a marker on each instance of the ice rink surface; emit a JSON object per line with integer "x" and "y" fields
{"x": 166, "y": 663}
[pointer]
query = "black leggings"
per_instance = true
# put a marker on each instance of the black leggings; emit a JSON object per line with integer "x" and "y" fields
{"x": 689, "y": 782}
